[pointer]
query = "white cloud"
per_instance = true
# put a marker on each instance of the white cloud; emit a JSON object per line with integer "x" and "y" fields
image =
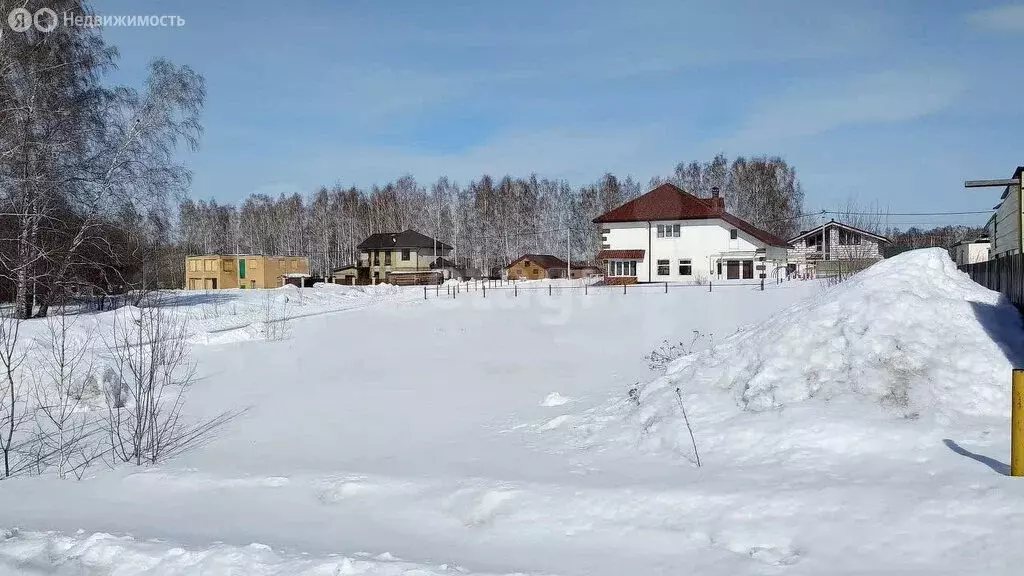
{"x": 1009, "y": 18}
{"x": 820, "y": 106}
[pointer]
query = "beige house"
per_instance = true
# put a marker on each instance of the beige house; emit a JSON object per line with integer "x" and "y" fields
{"x": 399, "y": 258}
{"x": 218, "y": 271}
{"x": 535, "y": 267}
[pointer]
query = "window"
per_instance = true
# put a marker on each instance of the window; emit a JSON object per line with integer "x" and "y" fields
{"x": 848, "y": 238}
{"x": 405, "y": 254}
{"x": 387, "y": 258}
{"x": 229, "y": 266}
{"x": 675, "y": 230}
{"x": 661, "y": 230}
{"x": 254, "y": 263}
{"x": 733, "y": 234}
{"x": 622, "y": 267}
{"x": 376, "y": 258}
{"x": 663, "y": 268}
{"x": 685, "y": 268}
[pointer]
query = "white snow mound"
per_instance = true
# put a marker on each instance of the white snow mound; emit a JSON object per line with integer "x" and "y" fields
{"x": 911, "y": 333}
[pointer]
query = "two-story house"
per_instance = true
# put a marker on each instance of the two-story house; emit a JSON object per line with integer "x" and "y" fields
{"x": 834, "y": 248}
{"x": 401, "y": 258}
{"x": 672, "y": 236}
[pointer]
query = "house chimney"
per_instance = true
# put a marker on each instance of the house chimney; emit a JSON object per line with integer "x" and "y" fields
{"x": 716, "y": 199}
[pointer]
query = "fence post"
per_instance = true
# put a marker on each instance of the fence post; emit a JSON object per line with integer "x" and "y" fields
{"x": 623, "y": 287}
{"x": 1017, "y": 425}
{"x": 666, "y": 287}
{"x": 762, "y": 284}
{"x": 424, "y": 292}
{"x": 485, "y": 290}
{"x": 709, "y": 285}
{"x": 584, "y": 289}
{"x": 437, "y": 291}
{"x": 515, "y": 290}
{"x": 549, "y": 289}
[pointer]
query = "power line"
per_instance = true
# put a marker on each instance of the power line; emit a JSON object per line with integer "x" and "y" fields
{"x": 840, "y": 213}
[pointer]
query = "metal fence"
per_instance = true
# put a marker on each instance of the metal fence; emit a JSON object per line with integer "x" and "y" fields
{"x": 514, "y": 289}
{"x": 1005, "y": 275}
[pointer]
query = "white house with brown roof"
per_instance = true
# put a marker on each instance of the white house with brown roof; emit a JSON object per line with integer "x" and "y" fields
{"x": 827, "y": 249}
{"x": 669, "y": 235}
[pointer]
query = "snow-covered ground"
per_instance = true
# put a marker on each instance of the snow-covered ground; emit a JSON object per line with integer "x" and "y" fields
{"x": 860, "y": 428}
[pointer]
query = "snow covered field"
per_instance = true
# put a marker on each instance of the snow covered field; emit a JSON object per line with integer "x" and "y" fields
{"x": 861, "y": 428}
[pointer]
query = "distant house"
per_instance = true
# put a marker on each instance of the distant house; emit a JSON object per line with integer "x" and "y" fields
{"x": 586, "y": 270}
{"x": 971, "y": 251}
{"x": 670, "y": 235}
{"x": 219, "y": 271}
{"x": 834, "y": 248}
{"x": 536, "y": 267}
{"x": 345, "y": 274}
{"x": 401, "y": 258}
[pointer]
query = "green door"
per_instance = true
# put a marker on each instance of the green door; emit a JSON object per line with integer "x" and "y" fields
{"x": 241, "y": 268}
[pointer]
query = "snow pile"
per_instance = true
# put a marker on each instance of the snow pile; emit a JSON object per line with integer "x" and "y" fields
{"x": 54, "y": 553}
{"x": 554, "y": 399}
{"x": 911, "y": 334}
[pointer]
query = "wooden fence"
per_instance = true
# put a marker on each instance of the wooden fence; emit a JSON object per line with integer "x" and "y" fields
{"x": 1005, "y": 275}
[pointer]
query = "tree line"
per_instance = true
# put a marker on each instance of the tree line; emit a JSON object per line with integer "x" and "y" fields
{"x": 88, "y": 169}
{"x": 489, "y": 222}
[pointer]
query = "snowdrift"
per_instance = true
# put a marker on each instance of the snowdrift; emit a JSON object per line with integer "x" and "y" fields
{"x": 910, "y": 336}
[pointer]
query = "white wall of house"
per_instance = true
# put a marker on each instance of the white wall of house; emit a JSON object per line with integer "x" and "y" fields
{"x": 971, "y": 253}
{"x": 702, "y": 242}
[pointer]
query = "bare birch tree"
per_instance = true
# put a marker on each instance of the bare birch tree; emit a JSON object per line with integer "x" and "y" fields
{"x": 13, "y": 412}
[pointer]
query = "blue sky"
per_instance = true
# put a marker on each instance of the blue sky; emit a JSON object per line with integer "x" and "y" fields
{"x": 894, "y": 102}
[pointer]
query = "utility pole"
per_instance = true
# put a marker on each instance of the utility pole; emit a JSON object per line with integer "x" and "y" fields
{"x": 568, "y": 255}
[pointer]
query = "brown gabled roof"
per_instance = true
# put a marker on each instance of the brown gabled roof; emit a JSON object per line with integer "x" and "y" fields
{"x": 545, "y": 261}
{"x": 669, "y": 202}
{"x": 621, "y": 255}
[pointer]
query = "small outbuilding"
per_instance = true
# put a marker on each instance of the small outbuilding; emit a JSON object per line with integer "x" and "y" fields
{"x": 536, "y": 267}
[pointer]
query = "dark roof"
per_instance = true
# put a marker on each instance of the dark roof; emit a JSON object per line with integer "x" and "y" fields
{"x": 621, "y": 254}
{"x": 833, "y": 222}
{"x": 407, "y": 239}
{"x": 669, "y": 202}
{"x": 444, "y": 263}
{"x": 1016, "y": 176}
{"x": 545, "y": 261}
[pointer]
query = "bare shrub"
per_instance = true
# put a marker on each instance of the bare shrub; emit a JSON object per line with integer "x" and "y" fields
{"x": 700, "y": 279}
{"x": 686, "y": 419}
{"x": 634, "y": 394}
{"x": 66, "y": 434}
{"x": 273, "y": 317}
{"x": 667, "y": 352}
{"x": 150, "y": 356}
{"x": 13, "y": 411}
